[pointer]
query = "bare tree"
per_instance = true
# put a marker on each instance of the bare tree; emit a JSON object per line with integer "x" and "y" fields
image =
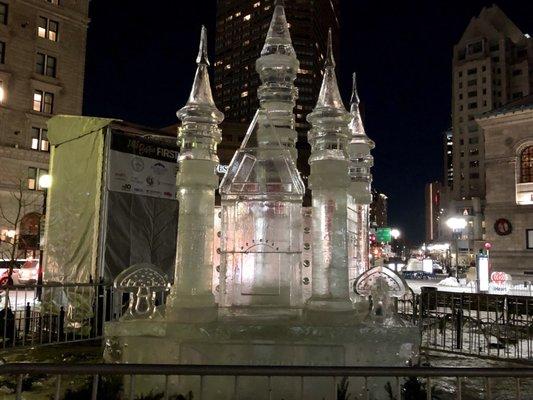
{"x": 13, "y": 208}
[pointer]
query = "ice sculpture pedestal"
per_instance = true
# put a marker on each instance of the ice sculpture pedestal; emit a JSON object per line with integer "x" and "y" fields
{"x": 259, "y": 342}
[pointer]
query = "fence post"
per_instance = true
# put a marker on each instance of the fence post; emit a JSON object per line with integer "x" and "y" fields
{"x": 61, "y": 332}
{"x": 459, "y": 327}
{"x": 27, "y": 319}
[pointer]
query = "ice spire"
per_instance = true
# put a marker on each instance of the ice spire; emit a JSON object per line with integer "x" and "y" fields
{"x": 277, "y": 68}
{"x": 191, "y": 298}
{"x": 329, "y": 119}
{"x": 278, "y": 40}
{"x": 329, "y": 96}
{"x": 356, "y": 124}
{"x": 329, "y": 183}
{"x": 200, "y": 106}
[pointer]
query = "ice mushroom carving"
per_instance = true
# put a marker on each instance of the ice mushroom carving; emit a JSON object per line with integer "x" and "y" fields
{"x": 143, "y": 282}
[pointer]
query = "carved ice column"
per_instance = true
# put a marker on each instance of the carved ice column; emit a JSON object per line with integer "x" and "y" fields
{"x": 261, "y": 195}
{"x": 359, "y": 194}
{"x": 329, "y": 183}
{"x": 191, "y": 298}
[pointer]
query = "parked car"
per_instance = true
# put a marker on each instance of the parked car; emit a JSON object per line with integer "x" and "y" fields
{"x": 29, "y": 272}
{"x": 418, "y": 275}
{"x": 4, "y": 271}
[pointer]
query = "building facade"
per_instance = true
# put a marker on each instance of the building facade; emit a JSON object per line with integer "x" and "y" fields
{"x": 378, "y": 210}
{"x": 42, "y": 62}
{"x": 433, "y": 194}
{"x": 508, "y": 135}
{"x": 492, "y": 65}
{"x": 241, "y": 29}
{"x": 447, "y": 146}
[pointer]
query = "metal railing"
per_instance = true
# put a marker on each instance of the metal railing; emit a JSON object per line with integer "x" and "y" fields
{"x": 463, "y": 380}
{"x": 65, "y": 313}
{"x": 480, "y": 324}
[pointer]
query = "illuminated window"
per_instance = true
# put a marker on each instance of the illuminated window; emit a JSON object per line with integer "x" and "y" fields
{"x": 33, "y": 177}
{"x": 228, "y": 66}
{"x": 238, "y": 14}
{"x": 247, "y": 17}
{"x": 2, "y": 52}
{"x": 257, "y": 4}
{"x": 39, "y": 139}
{"x": 56, "y": 2}
{"x": 244, "y": 94}
{"x": 2, "y": 93}
{"x": 43, "y": 101}
{"x": 46, "y": 65}
{"x": 48, "y": 29}
{"x": 526, "y": 165}
{"x": 3, "y": 13}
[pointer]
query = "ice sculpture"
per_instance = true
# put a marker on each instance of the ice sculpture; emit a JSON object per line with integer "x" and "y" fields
{"x": 191, "y": 298}
{"x": 262, "y": 318}
{"x": 143, "y": 282}
{"x": 262, "y": 191}
{"x": 329, "y": 185}
{"x": 360, "y": 195}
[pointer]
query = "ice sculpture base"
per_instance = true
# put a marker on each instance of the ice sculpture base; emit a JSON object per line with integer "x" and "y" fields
{"x": 260, "y": 343}
{"x": 192, "y": 309}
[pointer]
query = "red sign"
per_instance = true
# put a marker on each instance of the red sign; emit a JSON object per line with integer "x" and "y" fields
{"x": 488, "y": 246}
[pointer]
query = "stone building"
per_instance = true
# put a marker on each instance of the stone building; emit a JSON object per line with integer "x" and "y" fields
{"x": 492, "y": 65}
{"x": 42, "y": 62}
{"x": 508, "y": 160}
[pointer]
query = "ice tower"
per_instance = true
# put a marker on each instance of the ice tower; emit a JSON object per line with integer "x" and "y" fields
{"x": 360, "y": 195}
{"x": 192, "y": 297}
{"x": 329, "y": 183}
{"x": 262, "y": 192}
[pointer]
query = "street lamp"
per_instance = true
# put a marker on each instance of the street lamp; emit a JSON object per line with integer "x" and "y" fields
{"x": 395, "y": 233}
{"x": 456, "y": 224}
{"x": 45, "y": 181}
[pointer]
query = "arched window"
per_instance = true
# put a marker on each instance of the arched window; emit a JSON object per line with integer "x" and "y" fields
{"x": 526, "y": 165}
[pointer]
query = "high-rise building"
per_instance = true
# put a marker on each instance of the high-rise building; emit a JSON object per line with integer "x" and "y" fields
{"x": 241, "y": 29}
{"x": 42, "y": 62}
{"x": 433, "y": 210}
{"x": 492, "y": 65}
{"x": 447, "y": 147}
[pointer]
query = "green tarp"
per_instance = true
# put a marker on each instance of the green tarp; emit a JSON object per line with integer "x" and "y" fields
{"x": 74, "y": 198}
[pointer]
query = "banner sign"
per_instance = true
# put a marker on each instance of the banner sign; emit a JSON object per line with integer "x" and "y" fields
{"x": 141, "y": 167}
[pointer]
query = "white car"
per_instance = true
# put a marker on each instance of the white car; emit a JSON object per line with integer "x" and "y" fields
{"x": 28, "y": 272}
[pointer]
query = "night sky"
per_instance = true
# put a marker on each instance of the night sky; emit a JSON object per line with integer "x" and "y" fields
{"x": 140, "y": 65}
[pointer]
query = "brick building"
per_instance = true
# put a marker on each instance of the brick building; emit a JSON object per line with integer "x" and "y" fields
{"x": 42, "y": 62}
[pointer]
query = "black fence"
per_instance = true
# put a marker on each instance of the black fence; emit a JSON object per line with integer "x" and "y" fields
{"x": 64, "y": 313}
{"x": 498, "y": 326}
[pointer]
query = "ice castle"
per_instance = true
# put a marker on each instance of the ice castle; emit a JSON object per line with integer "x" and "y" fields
{"x": 260, "y": 280}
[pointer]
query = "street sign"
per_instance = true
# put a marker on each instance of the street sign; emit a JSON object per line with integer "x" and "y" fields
{"x": 383, "y": 235}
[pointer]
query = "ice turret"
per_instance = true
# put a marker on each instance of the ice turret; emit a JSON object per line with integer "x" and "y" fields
{"x": 329, "y": 183}
{"x": 262, "y": 193}
{"x": 359, "y": 152}
{"x": 277, "y": 67}
{"x": 360, "y": 195}
{"x": 199, "y": 133}
{"x": 192, "y": 299}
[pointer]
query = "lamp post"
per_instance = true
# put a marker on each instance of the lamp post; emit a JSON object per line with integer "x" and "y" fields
{"x": 45, "y": 181}
{"x": 456, "y": 224}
